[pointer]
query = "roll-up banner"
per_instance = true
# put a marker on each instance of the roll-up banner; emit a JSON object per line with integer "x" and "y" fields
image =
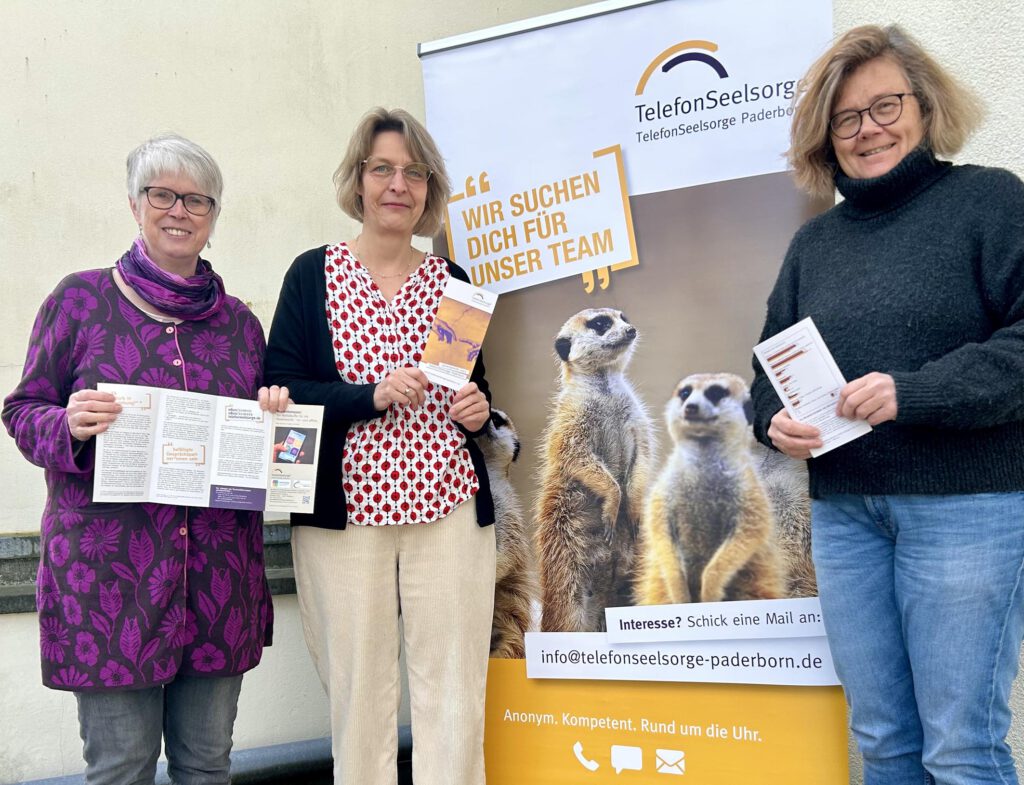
{"x": 620, "y": 182}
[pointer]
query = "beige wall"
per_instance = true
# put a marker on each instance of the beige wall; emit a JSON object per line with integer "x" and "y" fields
{"x": 271, "y": 89}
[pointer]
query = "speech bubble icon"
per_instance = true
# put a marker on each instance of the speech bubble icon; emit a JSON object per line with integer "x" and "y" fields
{"x": 626, "y": 758}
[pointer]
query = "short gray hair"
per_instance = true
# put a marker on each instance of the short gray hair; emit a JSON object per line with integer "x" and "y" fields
{"x": 173, "y": 154}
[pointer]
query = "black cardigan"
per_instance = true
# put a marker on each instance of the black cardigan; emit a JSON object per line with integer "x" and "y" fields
{"x": 300, "y": 355}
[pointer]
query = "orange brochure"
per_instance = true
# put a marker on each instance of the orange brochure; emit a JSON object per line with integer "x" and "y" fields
{"x": 457, "y": 334}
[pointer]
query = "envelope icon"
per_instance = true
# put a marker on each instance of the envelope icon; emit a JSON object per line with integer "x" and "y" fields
{"x": 669, "y": 762}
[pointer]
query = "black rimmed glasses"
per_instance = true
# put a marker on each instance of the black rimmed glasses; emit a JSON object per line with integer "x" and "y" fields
{"x": 164, "y": 199}
{"x": 385, "y": 170}
{"x": 885, "y": 110}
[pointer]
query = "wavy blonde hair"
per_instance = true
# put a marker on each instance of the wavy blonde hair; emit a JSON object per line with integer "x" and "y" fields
{"x": 420, "y": 146}
{"x": 950, "y": 112}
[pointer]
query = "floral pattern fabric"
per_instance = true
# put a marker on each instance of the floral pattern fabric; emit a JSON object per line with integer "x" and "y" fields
{"x": 131, "y": 594}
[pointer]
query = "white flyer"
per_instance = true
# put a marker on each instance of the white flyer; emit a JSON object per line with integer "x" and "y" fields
{"x": 807, "y": 380}
{"x": 174, "y": 447}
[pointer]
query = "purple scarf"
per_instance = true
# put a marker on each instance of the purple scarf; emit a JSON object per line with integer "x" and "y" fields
{"x": 195, "y": 298}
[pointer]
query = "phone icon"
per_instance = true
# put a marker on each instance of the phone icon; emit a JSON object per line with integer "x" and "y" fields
{"x": 589, "y": 765}
{"x": 292, "y": 446}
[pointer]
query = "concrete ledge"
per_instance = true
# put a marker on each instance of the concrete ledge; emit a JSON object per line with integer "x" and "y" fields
{"x": 296, "y": 763}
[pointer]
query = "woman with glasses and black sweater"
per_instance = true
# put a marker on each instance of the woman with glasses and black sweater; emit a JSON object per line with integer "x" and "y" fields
{"x": 916, "y": 283}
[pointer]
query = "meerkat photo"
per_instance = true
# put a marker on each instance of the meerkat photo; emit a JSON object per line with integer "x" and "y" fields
{"x": 708, "y": 531}
{"x": 785, "y": 482}
{"x": 595, "y": 462}
{"x": 515, "y": 579}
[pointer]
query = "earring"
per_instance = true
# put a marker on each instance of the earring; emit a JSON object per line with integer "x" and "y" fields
{"x": 209, "y": 244}
{"x": 140, "y": 230}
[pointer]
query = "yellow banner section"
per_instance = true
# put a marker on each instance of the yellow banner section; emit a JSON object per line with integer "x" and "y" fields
{"x": 542, "y": 731}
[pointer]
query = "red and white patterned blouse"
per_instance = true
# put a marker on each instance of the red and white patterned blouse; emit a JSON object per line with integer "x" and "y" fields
{"x": 410, "y": 466}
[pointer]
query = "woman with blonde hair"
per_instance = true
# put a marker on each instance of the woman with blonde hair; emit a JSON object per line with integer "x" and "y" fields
{"x": 399, "y": 464}
{"x": 916, "y": 283}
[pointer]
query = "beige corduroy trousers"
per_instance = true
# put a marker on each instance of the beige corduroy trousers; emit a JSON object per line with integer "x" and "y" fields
{"x": 352, "y": 586}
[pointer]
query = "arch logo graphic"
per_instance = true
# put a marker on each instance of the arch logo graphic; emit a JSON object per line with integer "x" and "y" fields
{"x": 671, "y": 108}
{"x": 679, "y": 54}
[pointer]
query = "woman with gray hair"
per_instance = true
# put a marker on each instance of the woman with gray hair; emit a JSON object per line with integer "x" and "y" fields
{"x": 149, "y": 613}
{"x": 916, "y": 283}
{"x": 398, "y": 461}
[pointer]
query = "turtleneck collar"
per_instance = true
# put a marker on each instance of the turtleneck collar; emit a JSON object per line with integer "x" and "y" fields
{"x": 918, "y": 170}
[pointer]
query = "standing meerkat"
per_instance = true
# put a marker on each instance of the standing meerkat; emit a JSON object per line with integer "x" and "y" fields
{"x": 515, "y": 581}
{"x": 594, "y": 475}
{"x": 708, "y": 531}
{"x": 785, "y": 481}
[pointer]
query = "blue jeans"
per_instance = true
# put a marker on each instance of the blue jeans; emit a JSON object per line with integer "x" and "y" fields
{"x": 922, "y": 603}
{"x": 122, "y": 729}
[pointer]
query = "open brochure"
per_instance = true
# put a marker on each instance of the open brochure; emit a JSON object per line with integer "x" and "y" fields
{"x": 173, "y": 447}
{"x": 807, "y": 380}
{"x": 459, "y": 328}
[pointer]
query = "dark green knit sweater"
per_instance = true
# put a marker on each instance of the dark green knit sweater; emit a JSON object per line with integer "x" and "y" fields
{"x": 919, "y": 273}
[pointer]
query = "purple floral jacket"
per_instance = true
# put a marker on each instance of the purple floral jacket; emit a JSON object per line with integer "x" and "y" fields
{"x": 131, "y": 594}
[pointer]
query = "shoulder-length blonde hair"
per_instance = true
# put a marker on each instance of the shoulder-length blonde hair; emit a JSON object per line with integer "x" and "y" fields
{"x": 420, "y": 146}
{"x": 949, "y": 111}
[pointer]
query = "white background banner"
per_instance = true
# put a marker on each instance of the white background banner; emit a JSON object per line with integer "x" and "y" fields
{"x": 667, "y": 119}
{"x": 692, "y": 96}
{"x": 695, "y": 91}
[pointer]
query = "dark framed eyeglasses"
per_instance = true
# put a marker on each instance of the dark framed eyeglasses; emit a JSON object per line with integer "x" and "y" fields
{"x": 885, "y": 110}
{"x": 385, "y": 170}
{"x": 164, "y": 199}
